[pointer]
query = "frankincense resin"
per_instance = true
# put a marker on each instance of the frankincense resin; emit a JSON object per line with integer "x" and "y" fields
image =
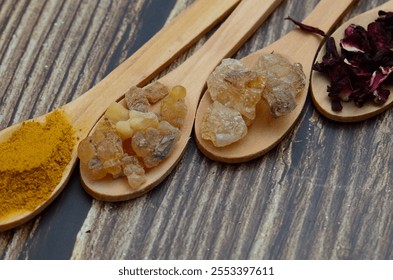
{"x": 223, "y": 125}
{"x": 283, "y": 82}
{"x": 237, "y": 87}
{"x": 236, "y": 90}
{"x": 130, "y": 140}
{"x": 173, "y": 108}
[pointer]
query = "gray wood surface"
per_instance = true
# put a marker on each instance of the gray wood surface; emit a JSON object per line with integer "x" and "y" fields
{"x": 325, "y": 192}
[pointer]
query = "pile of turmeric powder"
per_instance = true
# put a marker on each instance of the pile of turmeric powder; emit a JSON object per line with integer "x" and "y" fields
{"x": 32, "y": 162}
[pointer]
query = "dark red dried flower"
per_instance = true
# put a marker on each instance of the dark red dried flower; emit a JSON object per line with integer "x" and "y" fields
{"x": 364, "y": 65}
{"x": 355, "y": 39}
{"x": 307, "y": 27}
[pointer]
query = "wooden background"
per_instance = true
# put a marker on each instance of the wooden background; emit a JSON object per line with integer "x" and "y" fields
{"x": 324, "y": 193}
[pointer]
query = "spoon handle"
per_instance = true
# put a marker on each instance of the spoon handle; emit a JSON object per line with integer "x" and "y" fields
{"x": 151, "y": 58}
{"x": 233, "y": 33}
{"x": 327, "y": 14}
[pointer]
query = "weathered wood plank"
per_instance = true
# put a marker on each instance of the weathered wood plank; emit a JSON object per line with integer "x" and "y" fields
{"x": 324, "y": 193}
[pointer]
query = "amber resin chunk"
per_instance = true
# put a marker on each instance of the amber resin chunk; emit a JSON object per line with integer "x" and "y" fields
{"x": 173, "y": 107}
{"x": 223, "y": 125}
{"x": 137, "y": 100}
{"x": 155, "y": 91}
{"x": 237, "y": 87}
{"x": 141, "y": 120}
{"x": 154, "y": 144}
{"x": 102, "y": 152}
{"x": 283, "y": 82}
{"x": 116, "y": 112}
{"x": 134, "y": 171}
{"x": 236, "y": 90}
{"x": 128, "y": 142}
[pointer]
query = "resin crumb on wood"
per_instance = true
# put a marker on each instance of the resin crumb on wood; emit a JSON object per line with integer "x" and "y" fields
{"x": 154, "y": 144}
{"x": 129, "y": 141}
{"x": 134, "y": 171}
{"x": 155, "y": 91}
{"x": 102, "y": 151}
{"x": 223, "y": 125}
{"x": 173, "y": 107}
{"x": 237, "y": 87}
{"x": 235, "y": 91}
{"x": 136, "y": 99}
{"x": 284, "y": 81}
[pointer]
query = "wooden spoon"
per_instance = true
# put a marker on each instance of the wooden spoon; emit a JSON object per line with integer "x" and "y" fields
{"x": 149, "y": 60}
{"x": 266, "y": 132}
{"x": 192, "y": 74}
{"x": 319, "y": 82}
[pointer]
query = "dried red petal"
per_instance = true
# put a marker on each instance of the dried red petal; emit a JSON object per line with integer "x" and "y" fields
{"x": 355, "y": 39}
{"x": 381, "y": 95}
{"x": 378, "y": 77}
{"x": 378, "y": 36}
{"x": 307, "y": 28}
{"x": 336, "y": 105}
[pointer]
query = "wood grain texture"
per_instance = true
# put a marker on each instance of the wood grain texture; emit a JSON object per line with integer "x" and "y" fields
{"x": 325, "y": 192}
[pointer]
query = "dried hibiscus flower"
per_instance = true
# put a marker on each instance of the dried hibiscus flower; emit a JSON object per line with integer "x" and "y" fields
{"x": 365, "y": 63}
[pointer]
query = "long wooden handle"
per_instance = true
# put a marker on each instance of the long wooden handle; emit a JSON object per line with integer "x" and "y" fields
{"x": 327, "y": 14}
{"x": 157, "y": 53}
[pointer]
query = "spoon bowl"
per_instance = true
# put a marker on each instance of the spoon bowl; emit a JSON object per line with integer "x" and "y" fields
{"x": 14, "y": 219}
{"x": 319, "y": 82}
{"x": 266, "y": 132}
{"x": 192, "y": 74}
{"x": 149, "y": 60}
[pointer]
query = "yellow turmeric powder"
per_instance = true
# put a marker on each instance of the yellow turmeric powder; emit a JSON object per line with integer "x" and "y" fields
{"x": 32, "y": 162}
